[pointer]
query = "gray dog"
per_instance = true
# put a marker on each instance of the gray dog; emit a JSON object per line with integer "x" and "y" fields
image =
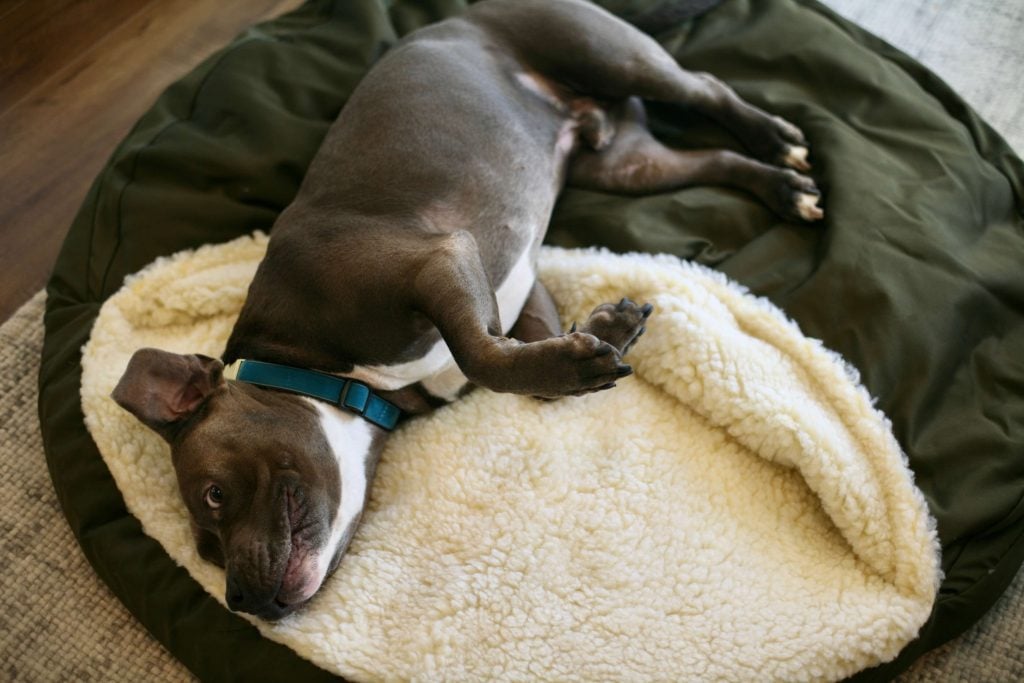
{"x": 404, "y": 271}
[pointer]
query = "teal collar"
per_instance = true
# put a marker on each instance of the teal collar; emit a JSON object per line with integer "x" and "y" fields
{"x": 345, "y": 393}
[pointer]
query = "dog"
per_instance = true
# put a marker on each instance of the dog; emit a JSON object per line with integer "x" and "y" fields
{"x": 404, "y": 272}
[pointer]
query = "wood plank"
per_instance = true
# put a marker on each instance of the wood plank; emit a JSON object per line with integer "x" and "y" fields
{"x": 60, "y": 133}
{"x": 38, "y": 39}
{"x": 9, "y": 6}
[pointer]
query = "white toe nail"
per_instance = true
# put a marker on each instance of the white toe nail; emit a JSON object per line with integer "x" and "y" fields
{"x": 796, "y": 156}
{"x": 807, "y": 206}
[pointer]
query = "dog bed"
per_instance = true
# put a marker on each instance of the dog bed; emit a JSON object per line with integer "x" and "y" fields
{"x": 741, "y": 490}
{"x": 913, "y": 278}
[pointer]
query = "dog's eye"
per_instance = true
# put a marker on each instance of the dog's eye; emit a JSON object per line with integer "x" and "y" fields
{"x": 214, "y": 497}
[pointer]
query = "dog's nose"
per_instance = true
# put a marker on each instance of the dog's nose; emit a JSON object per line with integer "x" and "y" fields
{"x": 260, "y": 603}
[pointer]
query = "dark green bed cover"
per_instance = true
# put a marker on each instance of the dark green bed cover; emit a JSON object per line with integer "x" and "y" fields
{"x": 916, "y": 276}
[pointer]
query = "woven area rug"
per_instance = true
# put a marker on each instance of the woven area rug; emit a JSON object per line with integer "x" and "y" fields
{"x": 61, "y": 623}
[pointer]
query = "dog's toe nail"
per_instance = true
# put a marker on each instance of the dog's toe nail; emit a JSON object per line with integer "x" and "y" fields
{"x": 807, "y": 206}
{"x": 605, "y": 387}
{"x": 573, "y": 328}
{"x": 646, "y": 309}
{"x": 624, "y": 371}
{"x": 796, "y": 157}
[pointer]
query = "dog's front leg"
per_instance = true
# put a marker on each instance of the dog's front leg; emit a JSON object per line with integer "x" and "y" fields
{"x": 453, "y": 290}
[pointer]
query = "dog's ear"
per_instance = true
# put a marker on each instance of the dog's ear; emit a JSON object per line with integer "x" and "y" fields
{"x": 163, "y": 389}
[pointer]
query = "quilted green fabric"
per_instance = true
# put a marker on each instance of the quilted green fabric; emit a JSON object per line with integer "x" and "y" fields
{"x": 914, "y": 276}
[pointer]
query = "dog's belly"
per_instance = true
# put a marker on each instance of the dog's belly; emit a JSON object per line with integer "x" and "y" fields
{"x": 437, "y": 370}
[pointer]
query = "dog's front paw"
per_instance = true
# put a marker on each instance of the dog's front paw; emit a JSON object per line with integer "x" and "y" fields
{"x": 594, "y": 364}
{"x": 575, "y": 363}
{"x": 618, "y": 324}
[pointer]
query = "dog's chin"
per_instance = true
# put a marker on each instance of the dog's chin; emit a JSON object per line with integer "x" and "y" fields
{"x": 290, "y": 599}
{"x": 302, "y": 578}
{"x": 299, "y": 590}
{"x": 275, "y": 611}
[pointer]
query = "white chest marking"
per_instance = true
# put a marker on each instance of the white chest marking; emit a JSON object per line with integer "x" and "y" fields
{"x": 350, "y": 438}
{"x": 437, "y": 369}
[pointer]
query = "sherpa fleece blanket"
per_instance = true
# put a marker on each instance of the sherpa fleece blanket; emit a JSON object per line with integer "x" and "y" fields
{"x": 736, "y": 510}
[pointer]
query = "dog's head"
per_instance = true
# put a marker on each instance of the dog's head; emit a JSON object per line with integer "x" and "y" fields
{"x": 275, "y": 484}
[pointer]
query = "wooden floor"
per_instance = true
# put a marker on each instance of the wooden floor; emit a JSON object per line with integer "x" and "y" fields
{"x": 74, "y": 77}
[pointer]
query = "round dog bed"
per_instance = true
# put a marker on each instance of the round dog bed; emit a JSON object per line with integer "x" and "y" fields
{"x": 913, "y": 278}
{"x": 739, "y": 489}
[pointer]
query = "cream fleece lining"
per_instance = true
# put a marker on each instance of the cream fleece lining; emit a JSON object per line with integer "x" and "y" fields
{"x": 737, "y": 510}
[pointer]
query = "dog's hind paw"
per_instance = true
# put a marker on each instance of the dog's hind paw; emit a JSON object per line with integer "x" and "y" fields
{"x": 778, "y": 142}
{"x": 795, "y": 197}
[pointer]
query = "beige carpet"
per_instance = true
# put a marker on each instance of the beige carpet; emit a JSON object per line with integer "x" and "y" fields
{"x": 59, "y": 622}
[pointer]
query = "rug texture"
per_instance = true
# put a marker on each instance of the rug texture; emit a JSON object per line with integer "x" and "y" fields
{"x": 61, "y": 622}
{"x": 736, "y": 509}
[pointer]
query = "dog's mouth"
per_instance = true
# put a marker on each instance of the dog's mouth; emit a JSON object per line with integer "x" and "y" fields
{"x": 301, "y": 579}
{"x": 297, "y": 560}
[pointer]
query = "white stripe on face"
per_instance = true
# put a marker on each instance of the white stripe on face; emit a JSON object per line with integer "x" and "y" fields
{"x": 350, "y": 438}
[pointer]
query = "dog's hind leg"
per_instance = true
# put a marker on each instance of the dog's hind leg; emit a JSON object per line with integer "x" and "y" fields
{"x": 593, "y": 52}
{"x": 636, "y": 163}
